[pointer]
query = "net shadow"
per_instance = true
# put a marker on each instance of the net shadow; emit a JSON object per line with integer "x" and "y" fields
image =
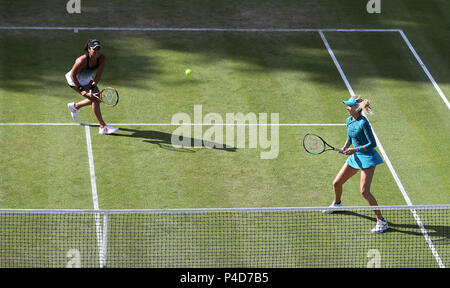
{"x": 441, "y": 232}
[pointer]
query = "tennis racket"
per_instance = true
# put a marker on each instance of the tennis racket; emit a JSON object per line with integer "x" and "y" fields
{"x": 314, "y": 144}
{"x": 108, "y": 96}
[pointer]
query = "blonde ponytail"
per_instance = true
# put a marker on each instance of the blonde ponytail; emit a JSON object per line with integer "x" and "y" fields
{"x": 363, "y": 104}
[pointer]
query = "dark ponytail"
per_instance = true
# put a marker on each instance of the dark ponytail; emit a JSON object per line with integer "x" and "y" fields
{"x": 86, "y": 47}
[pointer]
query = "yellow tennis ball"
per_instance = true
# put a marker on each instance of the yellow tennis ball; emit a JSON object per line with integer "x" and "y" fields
{"x": 188, "y": 72}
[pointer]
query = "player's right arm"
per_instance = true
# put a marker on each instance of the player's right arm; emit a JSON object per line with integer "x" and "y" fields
{"x": 79, "y": 64}
{"x": 345, "y": 147}
{"x": 348, "y": 141}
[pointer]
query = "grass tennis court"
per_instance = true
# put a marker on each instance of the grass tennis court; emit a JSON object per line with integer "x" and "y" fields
{"x": 44, "y": 160}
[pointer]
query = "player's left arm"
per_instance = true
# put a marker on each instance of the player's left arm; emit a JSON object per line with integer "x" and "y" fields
{"x": 99, "y": 73}
{"x": 371, "y": 144}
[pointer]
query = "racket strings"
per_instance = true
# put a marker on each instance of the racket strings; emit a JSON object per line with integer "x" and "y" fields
{"x": 313, "y": 144}
{"x": 109, "y": 97}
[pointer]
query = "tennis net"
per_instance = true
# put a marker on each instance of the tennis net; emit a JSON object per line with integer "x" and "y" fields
{"x": 419, "y": 236}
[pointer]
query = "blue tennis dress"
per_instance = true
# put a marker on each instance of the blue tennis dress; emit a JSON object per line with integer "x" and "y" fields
{"x": 359, "y": 133}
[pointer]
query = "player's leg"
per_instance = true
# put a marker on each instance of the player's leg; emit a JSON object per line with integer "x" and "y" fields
{"x": 344, "y": 174}
{"x": 74, "y": 108}
{"x": 366, "y": 181}
{"x": 95, "y": 104}
{"x": 91, "y": 101}
{"x": 104, "y": 128}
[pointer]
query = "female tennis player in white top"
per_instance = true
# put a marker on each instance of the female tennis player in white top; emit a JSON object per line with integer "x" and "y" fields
{"x": 80, "y": 79}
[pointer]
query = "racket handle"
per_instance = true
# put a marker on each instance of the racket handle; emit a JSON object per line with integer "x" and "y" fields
{"x": 97, "y": 95}
{"x": 338, "y": 149}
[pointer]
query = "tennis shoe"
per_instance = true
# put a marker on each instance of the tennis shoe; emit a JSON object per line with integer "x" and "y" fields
{"x": 73, "y": 111}
{"x": 105, "y": 130}
{"x": 381, "y": 226}
{"x": 329, "y": 211}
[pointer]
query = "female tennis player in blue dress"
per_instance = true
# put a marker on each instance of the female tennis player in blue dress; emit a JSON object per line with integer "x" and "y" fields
{"x": 80, "y": 79}
{"x": 362, "y": 157}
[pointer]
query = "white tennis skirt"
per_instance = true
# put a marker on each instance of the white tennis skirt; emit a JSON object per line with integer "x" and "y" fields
{"x": 83, "y": 79}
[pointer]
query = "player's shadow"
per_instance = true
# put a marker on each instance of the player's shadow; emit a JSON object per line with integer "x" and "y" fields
{"x": 164, "y": 141}
{"x": 441, "y": 233}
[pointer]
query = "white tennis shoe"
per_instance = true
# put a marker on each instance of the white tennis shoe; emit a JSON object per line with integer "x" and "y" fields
{"x": 329, "y": 211}
{"x": 73, "y": 111}
{"x": 381, "y": 226}
{"x": 105, "y": 130}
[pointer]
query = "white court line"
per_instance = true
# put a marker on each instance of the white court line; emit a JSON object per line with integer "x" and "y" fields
{"x": 98, "y": 225}
{"x": 228, "y": 124}
{"x": 436, "y": 86}
{"x": 200, "y": 29}
{"x": 388, "y": 162}
{"x": 39, "y": 124}
{"x": 174, "y": 124}
{"x": 91, "y": 167}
